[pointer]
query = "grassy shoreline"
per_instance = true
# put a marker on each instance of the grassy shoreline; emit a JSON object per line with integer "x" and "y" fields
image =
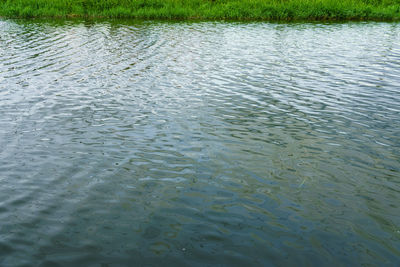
{"x": 380, "y": 10}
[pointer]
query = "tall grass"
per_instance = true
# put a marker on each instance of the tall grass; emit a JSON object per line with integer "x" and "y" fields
{"x": 207, "y": 9}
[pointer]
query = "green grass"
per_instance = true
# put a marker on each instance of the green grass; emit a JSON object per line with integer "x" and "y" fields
{"x": 206, "y": 9}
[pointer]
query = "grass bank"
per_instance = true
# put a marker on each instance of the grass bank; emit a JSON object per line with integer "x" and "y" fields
{"x": 206, "y": 9}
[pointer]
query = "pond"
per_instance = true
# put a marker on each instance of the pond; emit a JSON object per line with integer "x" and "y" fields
{"x": 150, "y": 143}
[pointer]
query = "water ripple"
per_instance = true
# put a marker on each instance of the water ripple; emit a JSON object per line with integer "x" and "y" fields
{"x": 199, "y": 144}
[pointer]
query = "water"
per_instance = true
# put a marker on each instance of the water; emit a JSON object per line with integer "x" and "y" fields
{"x": 199, "y": 144}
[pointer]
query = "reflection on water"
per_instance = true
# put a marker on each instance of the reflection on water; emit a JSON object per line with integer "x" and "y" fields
{"x": 193, "y": 144}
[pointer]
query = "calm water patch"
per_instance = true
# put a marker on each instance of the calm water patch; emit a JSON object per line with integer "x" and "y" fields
{"x": 195, "y": 144}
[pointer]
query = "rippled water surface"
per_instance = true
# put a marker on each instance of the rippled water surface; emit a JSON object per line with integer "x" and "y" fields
{"x": 194, "y": 144}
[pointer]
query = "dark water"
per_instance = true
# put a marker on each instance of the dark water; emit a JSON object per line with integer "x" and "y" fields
{"x": 199, "y": 144}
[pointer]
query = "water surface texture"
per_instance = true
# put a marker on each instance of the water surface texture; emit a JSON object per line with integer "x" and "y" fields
{"x": 199, "y": 144}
